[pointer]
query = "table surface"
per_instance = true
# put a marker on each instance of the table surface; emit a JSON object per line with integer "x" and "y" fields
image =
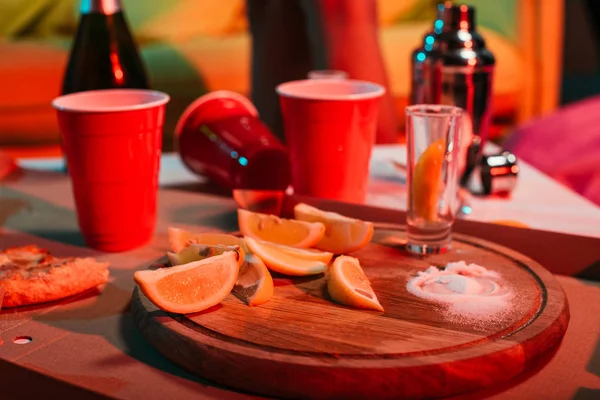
{"x": 538, "y": 200}
{"x": 91, "y": 342}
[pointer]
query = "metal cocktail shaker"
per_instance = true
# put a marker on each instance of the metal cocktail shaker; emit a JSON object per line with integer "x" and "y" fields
{"x": 454, "y": 67}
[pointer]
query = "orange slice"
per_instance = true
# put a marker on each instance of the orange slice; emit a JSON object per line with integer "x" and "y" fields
{"x": 197, "y": 252}
{"x": 306, "y": 254}
{"x": 348, "y": 284}
{"x": 280, "y": 230}
{"x": 264, "y": 201}
{"x": 509, "y": 222}
{"x": 190, "y": 287}
{"x": 427, "y": 180}
{"x": 284, "y": 262}
{"x": 342, "y": 234}
{"x": 181, "y": 238}
{"x": 254, "y": 283}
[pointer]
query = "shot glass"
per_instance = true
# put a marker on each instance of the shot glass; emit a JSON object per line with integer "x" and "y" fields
{"x": 433, "y": 144}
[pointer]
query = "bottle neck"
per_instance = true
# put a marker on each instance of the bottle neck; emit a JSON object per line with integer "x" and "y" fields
{"x": 100, "y": 6}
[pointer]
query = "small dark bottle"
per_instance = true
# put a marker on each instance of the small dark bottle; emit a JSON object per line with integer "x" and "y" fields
{"x": 421, "y": 61}
{"x": 104, "y": 54}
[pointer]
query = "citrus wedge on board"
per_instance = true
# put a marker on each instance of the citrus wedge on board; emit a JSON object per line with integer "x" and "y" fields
{"x": 263, "y": 201}
{"x": 254, "y": 284}
{"x": 181, "y": 238}
{"x": 305, "y": 254}
{"x": 191, "y": 287}
{"x": 280, "y": 230}
{"x": 427, "y": 181}
{"x": 197, "y": 252}
{"x": 347, "y": 284}
{"x": 343, "y": 235}
{"x": 284, "y": 262}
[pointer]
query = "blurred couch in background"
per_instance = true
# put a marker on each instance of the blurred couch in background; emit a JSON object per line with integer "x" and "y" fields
{"x": 191, "y": 47}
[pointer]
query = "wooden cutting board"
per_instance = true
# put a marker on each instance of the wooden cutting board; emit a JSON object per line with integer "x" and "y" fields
{"x": 302, "y": 345}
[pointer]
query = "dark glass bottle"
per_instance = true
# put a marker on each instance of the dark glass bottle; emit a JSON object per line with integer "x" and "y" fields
{"x": 104, "y": 54}
{"x": 421, "y": 61}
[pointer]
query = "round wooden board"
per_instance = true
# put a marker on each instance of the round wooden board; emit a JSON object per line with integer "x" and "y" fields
{"x": 302, "y": 345}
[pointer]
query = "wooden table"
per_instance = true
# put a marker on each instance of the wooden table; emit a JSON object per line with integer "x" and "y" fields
{"x": 89, "y": 348}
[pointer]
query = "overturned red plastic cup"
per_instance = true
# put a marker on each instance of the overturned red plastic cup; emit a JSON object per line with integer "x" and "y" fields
{"x": 112, "y": 140}
{"x": 221, "y": 136}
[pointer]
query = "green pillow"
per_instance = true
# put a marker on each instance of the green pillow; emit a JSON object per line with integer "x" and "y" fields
{"x": 52, "y": 18}
{"x": 37, "y": 18}
{"x": 499, "y": 15}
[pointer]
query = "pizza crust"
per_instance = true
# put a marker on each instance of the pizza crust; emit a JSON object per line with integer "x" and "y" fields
{"x": 47, "y": 278}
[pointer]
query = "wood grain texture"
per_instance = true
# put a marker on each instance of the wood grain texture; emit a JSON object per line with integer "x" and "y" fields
{"x": 302, "y": 345}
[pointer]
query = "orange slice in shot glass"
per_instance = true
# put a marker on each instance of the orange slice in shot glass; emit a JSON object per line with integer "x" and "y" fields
{"x": 427, "y": 181}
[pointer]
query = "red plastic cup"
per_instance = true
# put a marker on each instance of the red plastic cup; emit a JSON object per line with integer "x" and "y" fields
{"x": 330, "y": 130}
{"x": 112, "y": 140}
{"x": 220, "y": 136}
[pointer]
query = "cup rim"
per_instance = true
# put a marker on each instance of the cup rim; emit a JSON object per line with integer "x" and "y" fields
{"x": 160, "y": 98}
{"x": 433, "y": 110}
{"x": 374, "y": 90}
{"x": 327, "y": 74}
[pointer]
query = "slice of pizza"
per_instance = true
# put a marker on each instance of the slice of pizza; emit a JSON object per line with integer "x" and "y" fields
{"x": 31, "y": 275}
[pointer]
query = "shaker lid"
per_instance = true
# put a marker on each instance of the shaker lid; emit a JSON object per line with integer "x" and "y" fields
{"x": 457, "y": 16}
{"x": 499, "y": 172}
